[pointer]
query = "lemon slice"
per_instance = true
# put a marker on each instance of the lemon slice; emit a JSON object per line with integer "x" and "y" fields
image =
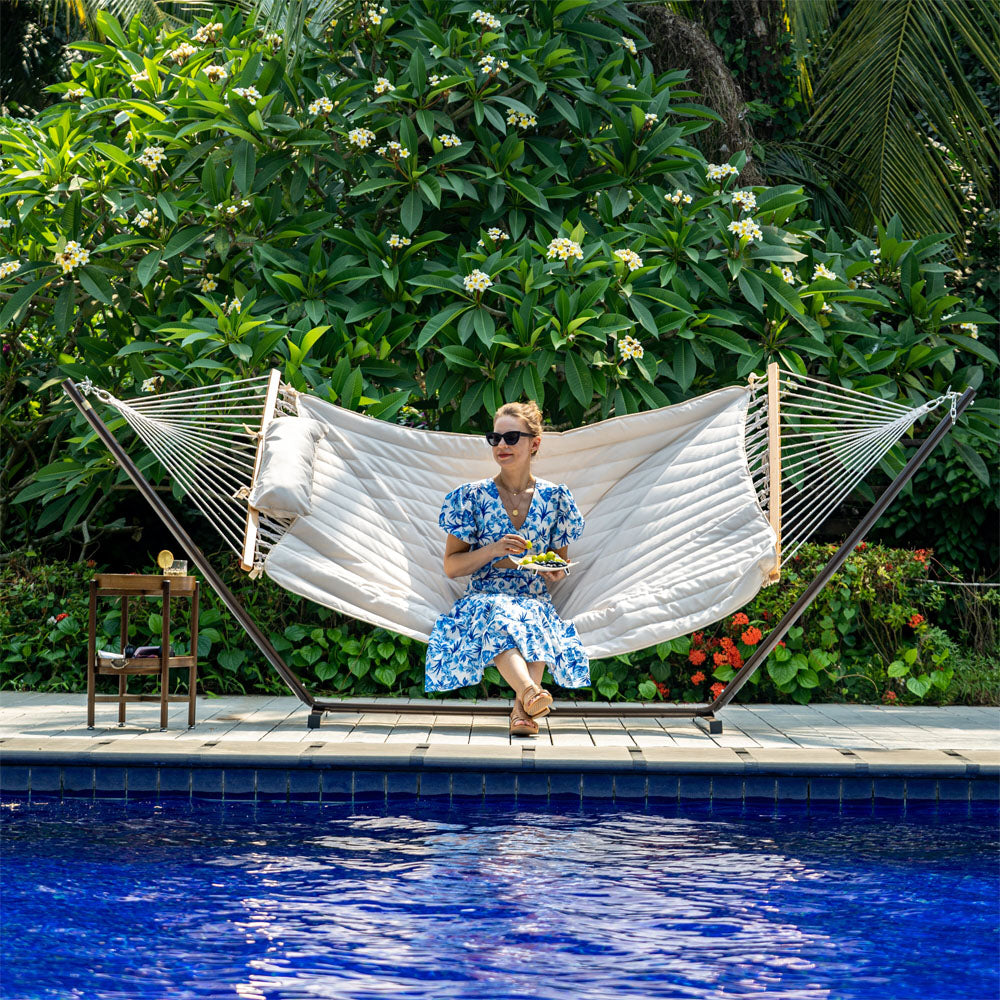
{"x": 165, "y": 559}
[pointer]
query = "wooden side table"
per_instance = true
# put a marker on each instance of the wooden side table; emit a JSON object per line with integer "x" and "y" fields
{"x": 126, "y": 587}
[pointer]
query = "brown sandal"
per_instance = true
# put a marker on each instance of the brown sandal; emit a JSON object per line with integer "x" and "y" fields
{"x": 521, "y": 725}
{"x": 536, "y": 701}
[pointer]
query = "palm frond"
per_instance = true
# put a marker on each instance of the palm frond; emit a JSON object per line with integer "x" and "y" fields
{"x": 809, "y": 23}
{"x": 895, "y": 105}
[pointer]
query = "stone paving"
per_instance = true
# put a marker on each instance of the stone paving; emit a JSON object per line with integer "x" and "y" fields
{"x": 50, "y": 719}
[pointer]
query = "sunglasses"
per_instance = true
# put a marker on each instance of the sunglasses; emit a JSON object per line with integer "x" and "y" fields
{"x": 508, "y": 437}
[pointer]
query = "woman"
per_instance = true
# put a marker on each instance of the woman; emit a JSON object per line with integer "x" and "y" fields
{"x": 506, "y": 616}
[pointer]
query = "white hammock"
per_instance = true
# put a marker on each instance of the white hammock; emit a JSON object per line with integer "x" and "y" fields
{"x": 687, "y": 515}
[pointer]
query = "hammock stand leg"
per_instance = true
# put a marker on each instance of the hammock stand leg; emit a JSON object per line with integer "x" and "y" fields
{"x": 770, "y": 642}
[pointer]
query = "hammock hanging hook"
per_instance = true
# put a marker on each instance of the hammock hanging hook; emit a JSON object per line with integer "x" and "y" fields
{"x": 89, "y": 389}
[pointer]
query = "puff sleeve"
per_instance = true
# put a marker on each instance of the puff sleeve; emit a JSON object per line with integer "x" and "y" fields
{"x": 568, "y": 523}
{"x": 457, "y": 515}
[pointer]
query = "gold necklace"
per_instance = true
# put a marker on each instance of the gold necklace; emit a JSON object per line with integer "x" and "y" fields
{"x": 516, "y": 493}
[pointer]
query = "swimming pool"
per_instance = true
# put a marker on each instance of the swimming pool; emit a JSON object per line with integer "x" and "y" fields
{"x": 107, "y": 899}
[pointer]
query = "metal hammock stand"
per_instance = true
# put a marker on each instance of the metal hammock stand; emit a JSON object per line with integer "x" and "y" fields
{"x": 704, "y": 715}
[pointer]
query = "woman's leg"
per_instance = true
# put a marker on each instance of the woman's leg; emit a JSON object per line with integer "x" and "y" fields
{"x": 514, "y": 670}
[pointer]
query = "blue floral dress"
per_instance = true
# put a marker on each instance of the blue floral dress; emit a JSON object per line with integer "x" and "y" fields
{"x": 506, "y": 608}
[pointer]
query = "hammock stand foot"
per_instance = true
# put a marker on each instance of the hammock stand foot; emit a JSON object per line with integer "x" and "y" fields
{"x": 709, "y": 723}
{"x": 315, "y": 718}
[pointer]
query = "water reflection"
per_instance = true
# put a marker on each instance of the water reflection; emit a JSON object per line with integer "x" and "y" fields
{"x": 275, "y": 903}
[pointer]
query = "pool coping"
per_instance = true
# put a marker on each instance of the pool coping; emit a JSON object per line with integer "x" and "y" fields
{"x": 423, "y": 756}
{"x": 339, "y": 773}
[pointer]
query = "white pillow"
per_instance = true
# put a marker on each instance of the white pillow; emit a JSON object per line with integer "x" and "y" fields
{"x": 284, "y": 482}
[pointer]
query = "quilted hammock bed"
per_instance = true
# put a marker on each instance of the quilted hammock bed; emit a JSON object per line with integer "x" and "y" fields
{"x": 675, "y": 537}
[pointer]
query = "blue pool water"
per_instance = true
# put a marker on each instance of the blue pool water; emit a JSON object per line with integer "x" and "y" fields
{"x": 143, "y": 900}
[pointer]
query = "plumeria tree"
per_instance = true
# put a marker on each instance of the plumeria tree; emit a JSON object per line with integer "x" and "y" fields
{"x": 421, "y": 210}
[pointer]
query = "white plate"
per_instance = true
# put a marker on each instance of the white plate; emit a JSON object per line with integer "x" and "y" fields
{"x": 542, "y": 567}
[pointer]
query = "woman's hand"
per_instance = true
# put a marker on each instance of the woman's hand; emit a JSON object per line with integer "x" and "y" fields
{"x": 509, "y": 545}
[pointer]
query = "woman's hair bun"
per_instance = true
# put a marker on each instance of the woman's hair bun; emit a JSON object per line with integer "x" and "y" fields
{"x": 528, "y": 412}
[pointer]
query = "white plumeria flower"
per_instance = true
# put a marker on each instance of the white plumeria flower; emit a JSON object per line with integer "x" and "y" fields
{"x": 719, "y": 171}
{"x": 822, "y": 271}
{"x": 788, "y": 275}
{"x": 746, "y": 199}
{"x": 231, "y": 305}
{"x": 215, "y": 73}
{"x": 146, "y": 217}
{"x": 208, "y": 284}
{"x": 517, "y": 118}
{"x": 630, "y": 347}
{"x": 450, "y": 139}
{"x": 74, "y": 94}
{"x": 629, "y": 45}
{"x": 630, "y": 258}
{"x": 5, "y": 223}
{"x": 207, "y": 32}
{"x": 71, "y": 256}
{"x": 826, "y": 308}
{"x": 361, "y": 137}
{"x": 9, "y": 267}
{"x": 141, "y": 77}
{"x": 152, "y": 384}
{"x": 434, "y": 79}
{"x": 563, "y": 248}
{"x": 485, "y": 20}
{"x": 678, "y": 197}
{"x": 972, "y": 329}
{"x": 182, "y": 53}
{"x": 395, "y": 240}
{"x": 394, "y": 149}
{"x": 746, "y": 229}
{"x": 478, "y": 281}
{"x": 496, "y": 235}
{"x": 651, "y": 119}
{"x": 383, "y": 86}
{"x": 249, "y": 93}
{"x": 321, "y": 106}
{"x": 275, "y": 40}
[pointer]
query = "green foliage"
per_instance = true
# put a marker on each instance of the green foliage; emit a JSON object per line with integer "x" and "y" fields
{"x": 924, "y": 127}
{"x": 206, "y": 216}
{"x": 861, "y": 640}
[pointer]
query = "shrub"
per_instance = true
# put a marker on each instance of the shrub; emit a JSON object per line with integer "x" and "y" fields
{"x": 420, "y": 214}
{"x": 871, "y": 635}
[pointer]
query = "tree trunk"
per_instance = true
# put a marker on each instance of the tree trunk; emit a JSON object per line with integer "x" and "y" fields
{"x": 679, "y": 43}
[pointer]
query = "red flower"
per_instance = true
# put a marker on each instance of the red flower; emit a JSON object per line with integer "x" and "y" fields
{"x": 663, "y": 689}
{"x": 697, "y": 678}
{"x": 712, "y": 643}
{"x": 735, "y": 660}
{"x": 751, "y": 636}
{"x": 889, "y": 696}
{"x": 726, "y": 643}
{"x": 921, "y": 556}
{"x": 916, "y": 620}
{"x": 766, "y": 615}
{"x": 697, "y": 657}
{"x": 697, "y": 638}
{"x": 91, "y": 562}
{"x": 861, "y": 546}
{"x": 781, "y": 643}
{"x": 740, "y": 619}
{"x": 720, "y": 659}
{"x": 717, "y": 689}
{"x": 59, "y": 618}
